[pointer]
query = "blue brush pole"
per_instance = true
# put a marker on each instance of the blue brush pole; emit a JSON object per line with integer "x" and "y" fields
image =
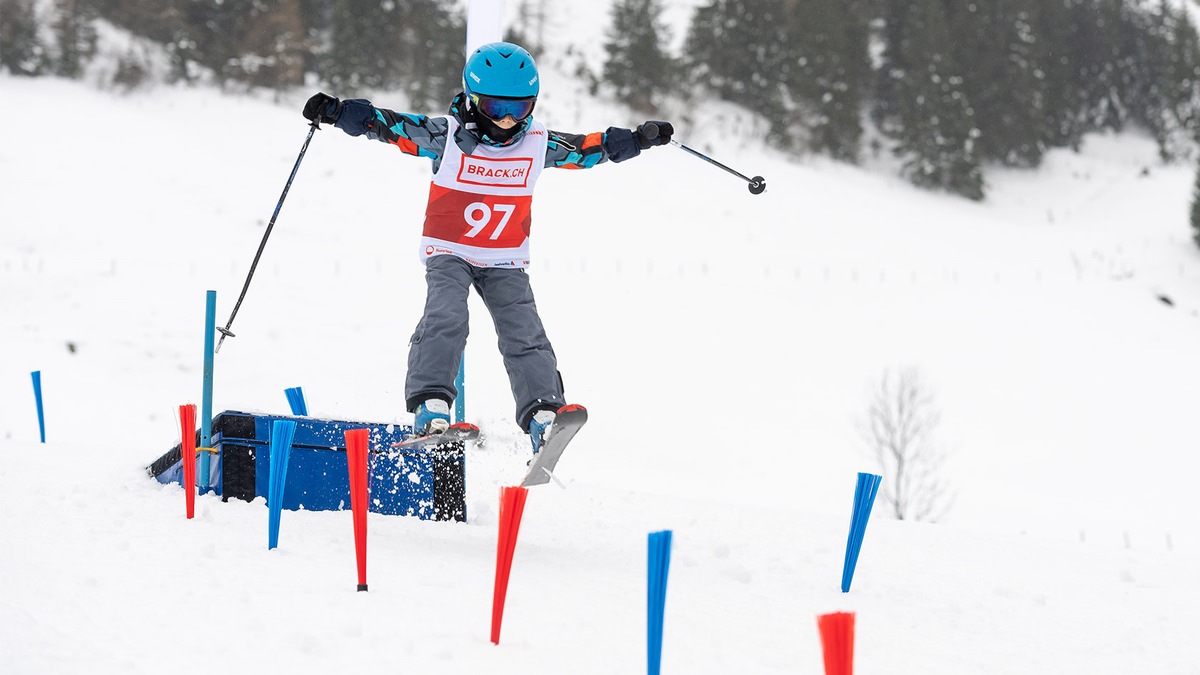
{"x": 37, "y": 397}
{"x": 864, "y": 498}
{"x": 656, "y": 597}
{"x": 295, "y": 397}
{"x": 282, "y": 432}
{"x": 460, "y": 383}
{"x": 210, "y": 329}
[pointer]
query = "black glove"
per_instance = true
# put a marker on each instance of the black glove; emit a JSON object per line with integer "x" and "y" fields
{"x": 652, "y": 133}
{"x": 322, "y": 108}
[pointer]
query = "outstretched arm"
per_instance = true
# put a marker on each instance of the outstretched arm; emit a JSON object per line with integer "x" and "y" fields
{"x": 583, "y": 151}
{"x": 416, "y": 135}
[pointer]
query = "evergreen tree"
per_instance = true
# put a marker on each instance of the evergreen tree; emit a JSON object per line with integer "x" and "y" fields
{"x": 317, "y": 17}
{"x": 995, "y": 47}
{"x": 132, "y": 69}
{"x": 271, "y": 50}
{"x": 209, "y": 34}
{"x": 416, "y": 45}
{"x": 1166, "y": 91}
{"x": 1187, "y": 72}
{"x": 75, "y": 32}
{"x": 184, "y": 37}
{"x": 1103, "y": 42}
{"x": 827, "y": 72}
{"x": 366, "y": 49}
{"x": 378, "y": 41}
{"x": 735, "y": 49}
{"x": 893, "y": 65}
{"x": 529, "y": 30}
{"x": 801, "y": 64}
{"x": 431, "y": 65}
{"x": 21, "y": 50}
{"x": 928, "y": 114}
{"x": 638, "y": 67}
{"x": 1055, "y": 27}
{"x": 1196, "y": 209}
{"x": 345, "y": 64}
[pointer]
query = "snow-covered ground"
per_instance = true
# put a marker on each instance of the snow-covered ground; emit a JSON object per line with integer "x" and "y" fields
{"x": 1067, "y": 391}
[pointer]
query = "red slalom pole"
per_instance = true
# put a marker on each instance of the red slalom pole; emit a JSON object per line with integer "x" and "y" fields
{"x": 356, "y": 462}
{"x": 837, "y": 642}
{"x": 187, "y": 450}
{"x": 512, "y": 504}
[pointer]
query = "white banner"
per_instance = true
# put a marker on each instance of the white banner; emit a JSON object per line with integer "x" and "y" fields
{"x": 485, "y": 23}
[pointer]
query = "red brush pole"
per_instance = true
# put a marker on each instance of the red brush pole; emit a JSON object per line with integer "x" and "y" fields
{"x": 837, "y": 642}
{"x": 356, "y": 461}
{"x": 187, "y": 449}
{"x": 512, "y": 504}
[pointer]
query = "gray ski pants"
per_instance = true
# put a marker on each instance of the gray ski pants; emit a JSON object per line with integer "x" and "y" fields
{"x": 437, "y": 345}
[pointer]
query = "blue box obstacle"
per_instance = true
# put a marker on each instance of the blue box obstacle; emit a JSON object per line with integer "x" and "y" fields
{"x": 429, "y": 484}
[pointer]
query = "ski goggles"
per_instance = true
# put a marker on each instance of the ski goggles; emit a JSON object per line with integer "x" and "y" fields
{"x": 498, "y": 107}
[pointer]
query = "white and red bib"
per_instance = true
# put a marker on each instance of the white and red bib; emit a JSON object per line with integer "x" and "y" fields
{"x": 479, "y": 204}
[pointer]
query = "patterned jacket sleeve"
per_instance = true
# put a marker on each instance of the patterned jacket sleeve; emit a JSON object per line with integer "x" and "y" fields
{"x": 574, "y": 151}
{"x": 583, "y": 151}
{"x": 416, "y": 135}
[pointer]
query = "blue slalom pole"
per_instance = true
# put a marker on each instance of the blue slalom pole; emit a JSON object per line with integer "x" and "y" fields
{"x": 295, "y": 397}
{"x": 460, "y": 383}
{"x": 37, "y": 397}
{"x": 282, "y": 432}
{"x": 656, "y": 597}
{"x": 864, "y": 498}
{"x": 210, "y": 328}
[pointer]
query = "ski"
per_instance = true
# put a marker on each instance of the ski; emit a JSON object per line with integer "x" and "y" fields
{"x": 567, "y": 422}
{"x": 456, "y": 433}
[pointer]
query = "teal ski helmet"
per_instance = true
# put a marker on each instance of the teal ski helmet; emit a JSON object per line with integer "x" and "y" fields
{"x": 501, "y": 69}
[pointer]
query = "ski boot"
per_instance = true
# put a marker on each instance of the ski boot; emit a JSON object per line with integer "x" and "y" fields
{"x": 431, "y": 417}
{"x": 539, "y": 426}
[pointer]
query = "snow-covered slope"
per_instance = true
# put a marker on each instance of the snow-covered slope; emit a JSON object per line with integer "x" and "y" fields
{"x": 1067, "y": 391}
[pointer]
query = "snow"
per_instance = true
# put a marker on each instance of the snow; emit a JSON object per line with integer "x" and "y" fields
{"x": 1066, "y": 387}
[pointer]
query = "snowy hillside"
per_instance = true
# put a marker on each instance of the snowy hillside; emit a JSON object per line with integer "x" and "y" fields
{"x": 1066, "y": 387}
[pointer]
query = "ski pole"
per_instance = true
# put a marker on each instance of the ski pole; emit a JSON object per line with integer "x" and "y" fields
{"x": 757, "y": 184}
{"x": 225, "y": 332}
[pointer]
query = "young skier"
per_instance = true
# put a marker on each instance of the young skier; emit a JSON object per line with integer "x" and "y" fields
{"x": 487, "y": 154}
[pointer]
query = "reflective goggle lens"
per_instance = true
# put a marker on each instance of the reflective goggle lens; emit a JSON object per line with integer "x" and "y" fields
{"x": 499, "y": 108}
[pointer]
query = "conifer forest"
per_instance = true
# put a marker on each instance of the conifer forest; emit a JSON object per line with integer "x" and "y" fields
{"x": 947, "y": 86}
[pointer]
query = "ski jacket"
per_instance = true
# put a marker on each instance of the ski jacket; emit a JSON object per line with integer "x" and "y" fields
{"x": 459, "y": 210}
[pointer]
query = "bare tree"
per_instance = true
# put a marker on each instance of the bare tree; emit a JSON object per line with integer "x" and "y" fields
{"x": 899, "y": 433}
